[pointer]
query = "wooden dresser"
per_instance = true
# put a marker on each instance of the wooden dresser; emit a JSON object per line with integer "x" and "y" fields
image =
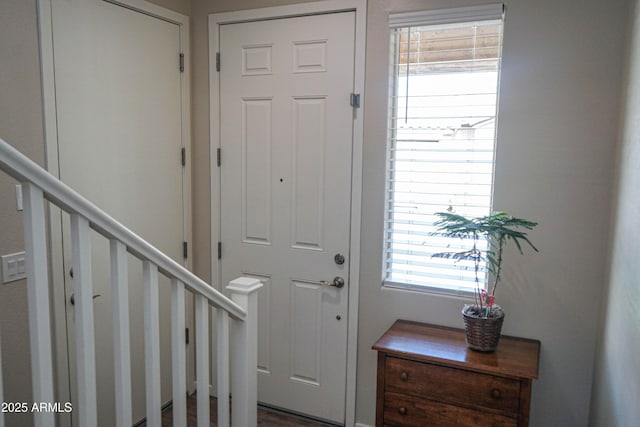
{"x": 428, "y": 377}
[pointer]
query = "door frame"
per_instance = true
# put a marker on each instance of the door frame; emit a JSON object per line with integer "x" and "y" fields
{"x": 290, "y": 11}
{"x": 56, "y": 269}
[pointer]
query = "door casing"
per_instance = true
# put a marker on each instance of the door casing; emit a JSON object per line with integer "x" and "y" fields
{"x": 56, "y": 271}
{"x": 312, "y": 8}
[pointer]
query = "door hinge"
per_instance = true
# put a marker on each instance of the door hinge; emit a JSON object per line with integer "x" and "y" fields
{"x": 355, "y": 100}
{"x": 219, "y": 250}
{"x": 186, "y": 335}
{"x": 185, "y": 252}
{"x": 219, "y": 156}
{"x": 183, "y": 155}
{"x": 181, "y": 62}
{"x": 217, "y": 61}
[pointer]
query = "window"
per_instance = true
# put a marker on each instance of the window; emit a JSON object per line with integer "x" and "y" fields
{"x": 445, "y": 69}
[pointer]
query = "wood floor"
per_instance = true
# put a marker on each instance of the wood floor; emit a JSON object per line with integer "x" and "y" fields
{"x": 266, "y": 417}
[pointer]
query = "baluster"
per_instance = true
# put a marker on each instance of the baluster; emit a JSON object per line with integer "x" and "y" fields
{"x": 244, "y": 347}
{"x": 202, "y": 360}
{"x": 83, "y": 306}
{"x": 38, "y": 297}
{"x": 152, "y": 343}
{"x": 178, "y": 354}
{"x": 121, "y": 344}
{"x": 222, "y": 335}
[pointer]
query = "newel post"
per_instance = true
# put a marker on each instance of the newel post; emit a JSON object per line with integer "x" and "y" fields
{"x": 244, "y": 350}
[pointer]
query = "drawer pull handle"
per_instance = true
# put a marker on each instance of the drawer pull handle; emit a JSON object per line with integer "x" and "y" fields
{"x": 402, "y": 410}
{"x": 496, "y": 394}
{"x": 404, "y": 376}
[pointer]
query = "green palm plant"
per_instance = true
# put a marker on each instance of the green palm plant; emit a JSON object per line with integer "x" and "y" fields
{"x": 497, "y": 229}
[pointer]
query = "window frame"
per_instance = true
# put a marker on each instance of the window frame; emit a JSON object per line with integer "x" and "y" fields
{"x": 492, "y": 12}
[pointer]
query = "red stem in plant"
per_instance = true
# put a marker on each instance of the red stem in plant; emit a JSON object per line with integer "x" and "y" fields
{"x": 477, "y": 255}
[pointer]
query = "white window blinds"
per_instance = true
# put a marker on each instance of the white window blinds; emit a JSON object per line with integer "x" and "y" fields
{"x": 442, "y": 120}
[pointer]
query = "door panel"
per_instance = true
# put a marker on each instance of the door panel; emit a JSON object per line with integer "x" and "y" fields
{"x": 286, "y": 141}
{"x": 309, "y": 123}
{"x": 256, "y": 178}
{"x": 118, "y": 103}
{"x": 306, "y": 332}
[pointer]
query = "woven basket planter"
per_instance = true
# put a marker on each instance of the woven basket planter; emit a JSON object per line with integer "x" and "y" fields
{"x": 483, "y": 334}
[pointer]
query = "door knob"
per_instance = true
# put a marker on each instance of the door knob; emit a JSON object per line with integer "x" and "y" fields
{"x": 338, "y": 282}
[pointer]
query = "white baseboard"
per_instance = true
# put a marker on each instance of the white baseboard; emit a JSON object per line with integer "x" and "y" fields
{"x": 361, "y": 425}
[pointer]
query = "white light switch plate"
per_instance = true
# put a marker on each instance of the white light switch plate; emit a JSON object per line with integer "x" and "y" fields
{"x": 13, "y": 267}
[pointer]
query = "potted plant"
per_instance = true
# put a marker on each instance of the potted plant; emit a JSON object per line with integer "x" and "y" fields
{"x": 483, "y": 319}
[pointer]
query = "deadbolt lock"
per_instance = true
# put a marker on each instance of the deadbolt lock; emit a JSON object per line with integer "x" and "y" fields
{"x": 339, "y": 259}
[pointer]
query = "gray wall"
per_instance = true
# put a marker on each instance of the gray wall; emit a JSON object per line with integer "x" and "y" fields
{"x": 556, "y": 144}
{"x": 557, "y": 125}
{"x": 616, "y": 384}
{"x": 556, "y": 137}
{"x": 21, "y": 124}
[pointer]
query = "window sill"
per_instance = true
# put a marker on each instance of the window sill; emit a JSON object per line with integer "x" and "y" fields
{"x": 427, "y": 290}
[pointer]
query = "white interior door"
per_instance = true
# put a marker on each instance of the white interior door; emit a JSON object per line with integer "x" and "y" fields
{"x": 118, "y": 103}
{"x": 286, "y": 144}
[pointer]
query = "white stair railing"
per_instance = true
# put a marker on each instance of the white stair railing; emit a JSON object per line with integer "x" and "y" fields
{"x": 37, "y": 186}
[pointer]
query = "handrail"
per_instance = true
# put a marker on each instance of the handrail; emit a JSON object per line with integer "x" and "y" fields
{"x": 24, "y": 169}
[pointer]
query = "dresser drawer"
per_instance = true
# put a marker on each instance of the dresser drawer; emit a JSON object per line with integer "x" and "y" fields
{"x": 451, "y": 385}
{"x": 405, "y": 411}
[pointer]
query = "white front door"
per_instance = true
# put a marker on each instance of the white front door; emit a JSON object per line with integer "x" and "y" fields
{"x": 286, "y": 150}
{"x": 119, "y": 113}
